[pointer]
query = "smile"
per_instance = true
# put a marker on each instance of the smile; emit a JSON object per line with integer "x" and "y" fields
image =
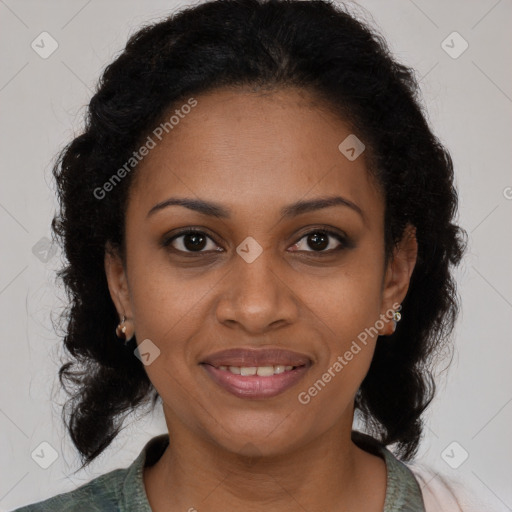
{"x": 255, "y": 381}
{"x": 261, "y": 371}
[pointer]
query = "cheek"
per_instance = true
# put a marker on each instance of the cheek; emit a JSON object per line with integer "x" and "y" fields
{"x": 348, "y": 306}
{"x": 331, "y": 388}
{"x": 167, "y": 311}
{"x": 348, "y": 298}
{"x": 165, "y": 298}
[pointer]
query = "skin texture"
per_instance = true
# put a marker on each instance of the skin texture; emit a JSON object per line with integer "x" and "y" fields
{"x": 255, "y": 153}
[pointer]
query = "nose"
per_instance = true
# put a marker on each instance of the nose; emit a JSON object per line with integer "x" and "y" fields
{"x": 257, "y": 296}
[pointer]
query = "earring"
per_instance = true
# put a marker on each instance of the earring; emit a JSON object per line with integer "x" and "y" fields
{"x": 396, "y": 317}
{"x": 121, "y": 331}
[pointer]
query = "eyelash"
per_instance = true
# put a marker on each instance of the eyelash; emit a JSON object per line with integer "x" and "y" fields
{"x": 344, "y": 241}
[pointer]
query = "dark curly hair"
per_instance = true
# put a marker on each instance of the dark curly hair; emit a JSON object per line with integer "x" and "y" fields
{"x": 316, "y": 45}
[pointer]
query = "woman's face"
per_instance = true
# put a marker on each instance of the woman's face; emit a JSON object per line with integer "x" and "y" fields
{"x": 265, "y": 275}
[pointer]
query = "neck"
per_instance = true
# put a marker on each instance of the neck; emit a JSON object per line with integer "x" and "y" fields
{"x": 330, "y": 473}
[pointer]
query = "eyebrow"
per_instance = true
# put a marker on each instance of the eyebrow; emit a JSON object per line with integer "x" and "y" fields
{"x": 213, "y": 209}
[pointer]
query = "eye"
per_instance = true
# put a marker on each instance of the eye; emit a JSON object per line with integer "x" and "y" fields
{"x": 192, "y": 241}
{"x": 189, "y": 241}
{"x": 321, "y": 239}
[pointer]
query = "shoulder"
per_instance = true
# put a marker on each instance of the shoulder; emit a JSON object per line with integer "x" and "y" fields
{"x": 402, "y": 489}
{"x": 100, "y": 494}
{"x": 120, "y": 490}
{"x": 447, "y": 494}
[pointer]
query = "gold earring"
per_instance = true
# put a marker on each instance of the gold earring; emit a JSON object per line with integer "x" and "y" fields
{"x": 121, "y": 331}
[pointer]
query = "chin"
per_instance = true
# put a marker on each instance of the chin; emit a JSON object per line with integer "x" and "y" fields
{"x": 259, "y": 439}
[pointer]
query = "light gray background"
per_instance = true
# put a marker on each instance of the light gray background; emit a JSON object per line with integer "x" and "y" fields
{"x": 469, "y": 100}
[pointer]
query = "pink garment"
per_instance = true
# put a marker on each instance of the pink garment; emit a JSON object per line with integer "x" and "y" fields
{"x": 442, "y": 494}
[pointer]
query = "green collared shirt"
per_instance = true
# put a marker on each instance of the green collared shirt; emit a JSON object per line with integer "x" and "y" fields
{"x": 122, "y": 490}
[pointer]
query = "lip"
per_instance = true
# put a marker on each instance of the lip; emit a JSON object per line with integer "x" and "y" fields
{"x": 254, "y": 386}
{"x": 268, "y": 356}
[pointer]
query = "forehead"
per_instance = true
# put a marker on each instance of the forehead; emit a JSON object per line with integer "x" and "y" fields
{"x": 252, "y": 149}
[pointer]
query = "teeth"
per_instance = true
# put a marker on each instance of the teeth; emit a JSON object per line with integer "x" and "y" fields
{"x": 261, "y": 371}
{"x": 248, "y": 370}
{"x": 265, "y": 371}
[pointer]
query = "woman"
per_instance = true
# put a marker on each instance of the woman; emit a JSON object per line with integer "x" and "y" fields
{"x": 259, "y": 211}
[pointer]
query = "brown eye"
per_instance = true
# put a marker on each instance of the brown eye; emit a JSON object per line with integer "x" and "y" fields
{"x": 190, "y": 241}
{"x": 319, "y": 240}
{"x": 194, "y": 241}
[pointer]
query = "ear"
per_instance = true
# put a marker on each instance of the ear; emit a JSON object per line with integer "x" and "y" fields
{"x": 117, "y": 281}
{"x": 398, "y": 275}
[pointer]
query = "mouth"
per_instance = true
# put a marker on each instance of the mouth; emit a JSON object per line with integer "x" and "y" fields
{"x": 260, "y": 371}
{"x": 256, "y": 374}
